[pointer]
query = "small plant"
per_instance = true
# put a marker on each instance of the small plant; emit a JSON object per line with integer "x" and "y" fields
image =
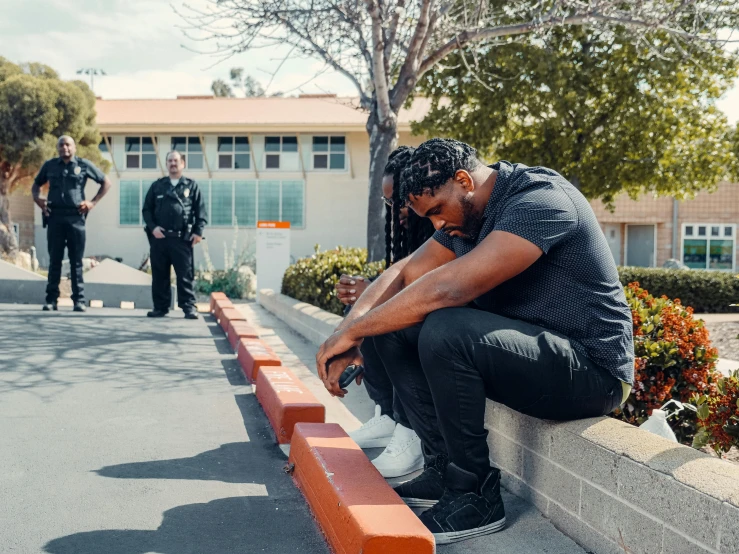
{"x": 673, "y": 359}
{"x": 312, "y": 279}
{"x": 233, "y": 280}
{"x": 718, "y": 415}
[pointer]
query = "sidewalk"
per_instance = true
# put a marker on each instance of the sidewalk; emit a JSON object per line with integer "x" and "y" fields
{"x": 528, "y": 532}
{"x": 121, "y": 434}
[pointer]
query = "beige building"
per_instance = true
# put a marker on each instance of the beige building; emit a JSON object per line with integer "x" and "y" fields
{"x": 304, "y": 160}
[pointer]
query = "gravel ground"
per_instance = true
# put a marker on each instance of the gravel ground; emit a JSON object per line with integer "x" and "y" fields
{"x": 725, "y": 337}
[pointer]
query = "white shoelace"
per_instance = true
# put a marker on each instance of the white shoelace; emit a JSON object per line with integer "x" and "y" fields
{"x": 398, "y": 445}
{"x": 374, "y": 421}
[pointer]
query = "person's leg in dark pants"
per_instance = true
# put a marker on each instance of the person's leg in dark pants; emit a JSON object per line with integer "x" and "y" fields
{"x": 181, "y": 254}
{"x": 161, "y": 291}
{"x": 378, "y": 385}
{"x": 76, "y": 248}
{"x": 56, "y": 237}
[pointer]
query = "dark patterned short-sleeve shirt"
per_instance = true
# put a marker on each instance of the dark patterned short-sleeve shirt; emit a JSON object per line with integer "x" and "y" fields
{"x": 573, "y": 288}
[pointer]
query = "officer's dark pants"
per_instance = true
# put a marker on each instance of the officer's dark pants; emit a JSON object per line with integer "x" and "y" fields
{"x": 444, "y": 369}
{"x": 65, "y": 231}
{"x": 379, "y": 387}
{"x": 167, "y": 253}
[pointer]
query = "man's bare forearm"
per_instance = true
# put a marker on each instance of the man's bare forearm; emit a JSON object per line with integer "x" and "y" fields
{"x": 36, "y": 191}
{"x": 381, "y": 290}
{"x": 104, "y": 188}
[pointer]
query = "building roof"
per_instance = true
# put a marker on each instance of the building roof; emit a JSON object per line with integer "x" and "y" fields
{"x": 312, "y": 112}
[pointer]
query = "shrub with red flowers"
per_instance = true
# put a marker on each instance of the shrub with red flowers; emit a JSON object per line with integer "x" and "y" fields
{"x": 718, "y": 415}
{"x": 673, "y": 359}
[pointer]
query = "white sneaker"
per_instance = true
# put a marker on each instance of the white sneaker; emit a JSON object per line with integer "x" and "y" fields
{"x": 402, "y": 456}
{"x": 376, "y": 433}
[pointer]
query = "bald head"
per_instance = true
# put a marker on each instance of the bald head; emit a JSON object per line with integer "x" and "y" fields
{"x": 66, "y": 147}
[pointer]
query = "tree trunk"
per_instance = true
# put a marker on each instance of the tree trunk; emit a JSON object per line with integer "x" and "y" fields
{"x": 383, "y": 138}
{"x": 8, "y": 244}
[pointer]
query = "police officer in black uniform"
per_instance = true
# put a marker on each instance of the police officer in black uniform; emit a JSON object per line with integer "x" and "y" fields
{"x": 65, "y": 211}
{"x": 175, "y": 216}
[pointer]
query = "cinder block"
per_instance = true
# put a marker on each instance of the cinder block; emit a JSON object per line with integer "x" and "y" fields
{"x": 254, "y": 354}
{"x": 695, "y": 514}
{"x": 677, "y": 544}
{"x": 518, "y": 487}
{"x": 585, "y": 459}
{"x": 354, "y": 506}
{"x": 551, "y": 481}
{"x": 227, "y": 315}
{"x": 96, "y": 303}
{"x": 239, "y": 329}
{"x": 729, "y": 530}
{"x": 127, "y": 305}
{"x": 621, "y": 523}
{"x": 505, "y": 454}
{"x": 214, "y": 296}
{"x": 220, "y": 304}
{"x": 581, "y": 532}
{"x": 286, "y": 401}
{"x": 534, "y": 434}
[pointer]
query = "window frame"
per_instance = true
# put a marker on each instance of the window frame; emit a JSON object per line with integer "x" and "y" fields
{"x": 328, "y": 153}
{"x": 279, "y": 152}
{"x": 708, "y": 238}
{"x": 140, "y": 153}
{"x": 233, "y": 153}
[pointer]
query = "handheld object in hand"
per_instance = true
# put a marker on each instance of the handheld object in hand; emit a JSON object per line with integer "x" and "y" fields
{"x": 350, "y": 373}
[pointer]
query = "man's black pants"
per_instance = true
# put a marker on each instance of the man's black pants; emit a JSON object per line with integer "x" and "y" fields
{"x": 444, "y": 369}
{"x": 167, "y": 253}
{"x": 378, "y": 384}
{"x": 65, "y": 231}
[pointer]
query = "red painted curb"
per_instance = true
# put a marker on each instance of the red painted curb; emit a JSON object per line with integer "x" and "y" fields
{"x": 227, "y": 315}
{"x": 254, "y": 354}
{"x": 220, "y": 304}
{"x": 286, "y": 401}
{"x": 355, "y": 507}
{"x": 216, "y": 296}
{"x": 237, "y": 330}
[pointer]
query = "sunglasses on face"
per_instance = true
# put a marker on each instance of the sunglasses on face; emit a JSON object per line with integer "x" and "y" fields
{"x": 389, "y": 202}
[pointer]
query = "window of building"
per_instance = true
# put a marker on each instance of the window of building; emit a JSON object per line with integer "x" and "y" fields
{"x": 709, "y": 246}
{"x": 234, "y": 153}
{"x": 103, "y": 146}
{"x": 191, "y": 150}
{"x": 130, "y": 202}
{"x": 274, "y": 147}
{"x": 329, "y": 153}
{"x": 140, "y": 153}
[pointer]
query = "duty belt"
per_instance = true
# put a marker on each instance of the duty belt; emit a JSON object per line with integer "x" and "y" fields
{"x": 172, "y": 234}
{"x": 63, "y": 210}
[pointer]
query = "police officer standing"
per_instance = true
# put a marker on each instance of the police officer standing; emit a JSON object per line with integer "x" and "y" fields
{"x": 175, "y": 216}
{"x": 65, "y": 211}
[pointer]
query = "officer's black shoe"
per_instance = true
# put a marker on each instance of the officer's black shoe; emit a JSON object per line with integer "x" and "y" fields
{"x": 466, "y": 510}
{"x": 191, "y": 315}
{"x": 157, "y": 313}
{"x": 50, "y": 306}
{"x": 425, "y": 490}
{"x": 79, "y": 307}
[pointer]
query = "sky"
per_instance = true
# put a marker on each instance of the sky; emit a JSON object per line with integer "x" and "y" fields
{"x": 142, "y": 47}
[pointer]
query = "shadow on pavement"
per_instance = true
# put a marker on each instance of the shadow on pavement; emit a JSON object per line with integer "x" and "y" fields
{"x": 240, "y": 524}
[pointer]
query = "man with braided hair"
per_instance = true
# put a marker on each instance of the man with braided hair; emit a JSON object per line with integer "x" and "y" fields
{"x": 389, "y": 428}
{"x": 516, "y": 299}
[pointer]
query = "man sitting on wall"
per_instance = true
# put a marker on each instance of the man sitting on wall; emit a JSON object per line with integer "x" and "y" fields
{"x": 516, "y": 299}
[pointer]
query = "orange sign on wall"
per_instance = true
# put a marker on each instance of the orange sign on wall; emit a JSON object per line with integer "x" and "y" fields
{"x": 273, "y": 225}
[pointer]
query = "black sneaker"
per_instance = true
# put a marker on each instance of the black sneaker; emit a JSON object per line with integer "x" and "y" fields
{"x": 49, "y": 306}
{"x": 466, "y": 511}
{"x": 425, "y": 490}
{"x": 191, "y": 315}
{"x": 156, "y": 313}
{"x": 79, "y": 307}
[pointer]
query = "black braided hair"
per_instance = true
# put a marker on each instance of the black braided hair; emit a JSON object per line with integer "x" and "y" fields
{"x": 394, "y": 233}
{"x": 419, "y": 229}
{"x": 435, "y": 162}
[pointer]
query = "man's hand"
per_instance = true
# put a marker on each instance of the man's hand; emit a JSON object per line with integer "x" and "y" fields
{"x": 196, "y": 239}
{"x": 336, "y": 367}
{"x": 350, "y": 288}
{"x": 86, "y": 206}
{"x": 157, "y": 232}
{"x": 42, "y": 203}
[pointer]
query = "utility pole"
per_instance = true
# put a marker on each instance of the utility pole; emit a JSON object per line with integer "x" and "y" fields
{"x": 91, "y": 71}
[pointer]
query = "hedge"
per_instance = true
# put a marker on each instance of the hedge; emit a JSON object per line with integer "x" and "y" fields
{"x": 704, "y": 291}
{"x": 312, "y": 279}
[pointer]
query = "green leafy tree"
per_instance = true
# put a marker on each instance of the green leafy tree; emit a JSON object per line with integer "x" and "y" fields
{"x": 221, "y": 89}
{"x": 609, "y": 113}
{"x": 36, "y": 107}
